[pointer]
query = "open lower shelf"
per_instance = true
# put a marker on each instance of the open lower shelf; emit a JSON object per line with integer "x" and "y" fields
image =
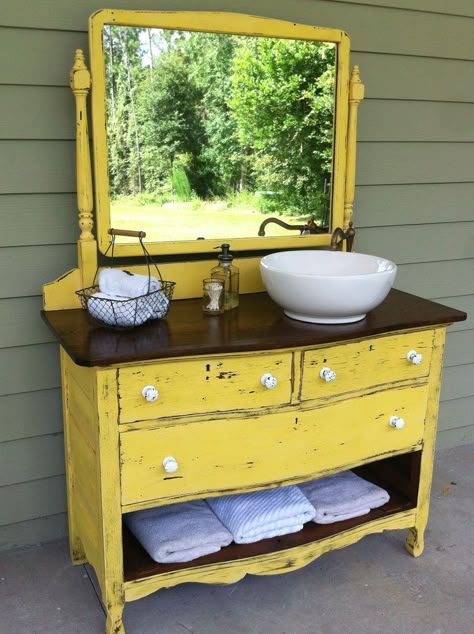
{"x": 399, "y": 476}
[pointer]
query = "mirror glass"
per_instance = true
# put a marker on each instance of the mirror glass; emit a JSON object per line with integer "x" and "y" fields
{"x": 208, "y": 134}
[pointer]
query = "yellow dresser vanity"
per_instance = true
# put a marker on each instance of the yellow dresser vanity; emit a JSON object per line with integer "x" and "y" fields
{"x": 227, "y": 433}
{"x": 176, "y": 409}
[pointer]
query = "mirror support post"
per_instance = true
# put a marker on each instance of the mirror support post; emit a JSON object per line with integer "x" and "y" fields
{"x": 356, "y": 95}
{"x": 80, "y": 81}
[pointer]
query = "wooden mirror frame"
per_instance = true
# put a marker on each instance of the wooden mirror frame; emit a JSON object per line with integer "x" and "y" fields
{"x": 349, "y": 92}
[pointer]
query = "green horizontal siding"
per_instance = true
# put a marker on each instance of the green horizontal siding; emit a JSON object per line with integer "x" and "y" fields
{"x": 38, "y": 531}
{"x": 44, "y": 458}
{"x": 25, "y": 269}
{"x": 409, "y": 121}
{"x": 436, "y": 279}
{"x": 415, "y": 187}
{"x": 28, "y": 369}
{"x": 32, "y": 500}
{"x": 456, "y": 413}
{"x": 389, "y": 205}
{"x": 459, "y": 348}
{"x": 37, "y": 167}
{"x": 455, "y": 437}
{"x": 49, "y": 219}
{"x": 36, "y": 112}
{"x": 392, "y": 163}
{"x": 417, "y": 78}
{"x": 419, "y": 243}
{"x": 457, "y": 383}
{"x": 21, "y": 323}
{"x": 31, "y": 414}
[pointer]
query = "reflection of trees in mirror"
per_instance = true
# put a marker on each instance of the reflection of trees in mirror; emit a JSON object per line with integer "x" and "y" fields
{"x": 206, "y": 116}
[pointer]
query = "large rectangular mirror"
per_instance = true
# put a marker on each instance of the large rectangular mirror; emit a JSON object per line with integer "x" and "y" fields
{"x": 212, "y": 127}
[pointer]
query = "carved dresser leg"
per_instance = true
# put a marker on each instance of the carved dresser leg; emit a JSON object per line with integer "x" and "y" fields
{"x": 114, "y": 623}
{"x": 415, "y": 542}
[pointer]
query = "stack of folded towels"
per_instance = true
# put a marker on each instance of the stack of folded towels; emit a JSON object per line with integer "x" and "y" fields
{"x": 183, "y": 532}
{"x": 130, "y": 302}
{"x": 342, "y": 496}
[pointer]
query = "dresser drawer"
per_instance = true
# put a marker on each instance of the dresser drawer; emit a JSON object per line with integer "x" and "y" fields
{"x": 365, "y": 364}
{"x": 204, "y": 385}
{"x": 226, "y": 455}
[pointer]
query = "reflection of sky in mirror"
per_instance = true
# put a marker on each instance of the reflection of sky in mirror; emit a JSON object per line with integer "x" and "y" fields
{"x": 209, "y": 135}
{"x": 153, "y": 43}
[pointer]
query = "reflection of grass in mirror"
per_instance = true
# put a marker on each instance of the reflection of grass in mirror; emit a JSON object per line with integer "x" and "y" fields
{"x": 191, "y": 220}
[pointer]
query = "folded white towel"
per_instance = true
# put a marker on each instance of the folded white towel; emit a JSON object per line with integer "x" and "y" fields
{"x": 263, "y": 514}
{"x": 342, "y": 496}
{"x": 120, "y": 311}
{"x": 126, "y": 284}
{"x": 178, "y": 532}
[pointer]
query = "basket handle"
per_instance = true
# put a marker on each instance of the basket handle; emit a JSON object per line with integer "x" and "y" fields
{"x": 126, "y": 232}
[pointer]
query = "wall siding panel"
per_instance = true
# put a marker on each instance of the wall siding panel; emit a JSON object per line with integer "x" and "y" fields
{"x": 48, "y": 219}
{"x": 36, "y": 112}
{"x": 26, "y": 268}
{"x": 390, "y": 205}
{"x": 415, "y": 187}
{"x": 31, "y": 500}
{"x": 30, "y": 414}
{"x": 21, "y": 323}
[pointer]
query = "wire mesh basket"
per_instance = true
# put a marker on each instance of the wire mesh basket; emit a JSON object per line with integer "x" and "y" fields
{"x": 128, "y": 312}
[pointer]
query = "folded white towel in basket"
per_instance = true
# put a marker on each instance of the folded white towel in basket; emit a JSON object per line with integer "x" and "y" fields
{"x": 263, "y": 514}
{"x": 126, "y": 284}
{"x": 178, "y": 532}
{"x": 120, "y": 311}
{"x": 342, "y": 496}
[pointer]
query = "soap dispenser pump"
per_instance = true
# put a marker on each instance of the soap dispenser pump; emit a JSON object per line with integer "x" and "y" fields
{"x": 229, "y": 273}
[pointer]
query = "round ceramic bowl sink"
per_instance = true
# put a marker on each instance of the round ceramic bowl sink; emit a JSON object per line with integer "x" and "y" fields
{"x": 327, "y": 287}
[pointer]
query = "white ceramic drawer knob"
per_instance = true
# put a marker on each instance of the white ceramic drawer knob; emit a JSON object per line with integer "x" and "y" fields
{"x": 414, "y": 357}
{"x": 396, "y": 422}
{"x": 268, "y": 381}
{"x": 170, "y": 464}
{"x": 327, "y": 374}
{"x": 150, "y": 393}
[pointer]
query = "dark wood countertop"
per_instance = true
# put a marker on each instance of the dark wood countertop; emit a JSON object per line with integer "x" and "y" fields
{"x": 257, "y": 324}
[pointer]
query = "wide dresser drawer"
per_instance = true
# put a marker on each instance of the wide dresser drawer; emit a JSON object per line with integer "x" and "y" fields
{"x": 204, "y": 385}
{"x": 364, "y": 364}
{"x": 223, "y": 456}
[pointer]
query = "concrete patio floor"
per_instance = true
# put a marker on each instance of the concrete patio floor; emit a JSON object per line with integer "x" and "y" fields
{"x": 372, "y": 587}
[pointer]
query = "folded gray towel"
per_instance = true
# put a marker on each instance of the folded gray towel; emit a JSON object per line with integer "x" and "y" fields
{"x": 178, "y": 532}
{"x": 263, "y": 514}
{"x": 342, "y": 496}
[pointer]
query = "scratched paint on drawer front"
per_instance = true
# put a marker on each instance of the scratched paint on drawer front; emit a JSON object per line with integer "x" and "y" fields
{"x": 204, "y": 385}
{"x": 232, "y": 455}
{"x": 364, "y": 364}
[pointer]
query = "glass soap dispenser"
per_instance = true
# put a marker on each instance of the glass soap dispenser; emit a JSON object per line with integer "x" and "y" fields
{"x": 229, "y": 273}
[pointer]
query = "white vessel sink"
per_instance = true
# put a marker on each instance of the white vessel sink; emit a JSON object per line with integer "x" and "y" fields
{"x": 327, "y": 287}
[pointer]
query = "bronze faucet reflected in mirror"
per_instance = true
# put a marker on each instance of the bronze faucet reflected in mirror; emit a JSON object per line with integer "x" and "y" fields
{"x": 309, "y": 227}
{"x": 339, "y": 235}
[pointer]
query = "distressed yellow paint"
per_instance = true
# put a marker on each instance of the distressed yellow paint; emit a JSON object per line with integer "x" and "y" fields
{"x": 229, "y": 437}
{"x": 270, "y": 564}
{"x": 205, "y": 385}
{"x": 227, "y": 456}
{"x": 365, "y": 364}
{"x": 415, "y": 539}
